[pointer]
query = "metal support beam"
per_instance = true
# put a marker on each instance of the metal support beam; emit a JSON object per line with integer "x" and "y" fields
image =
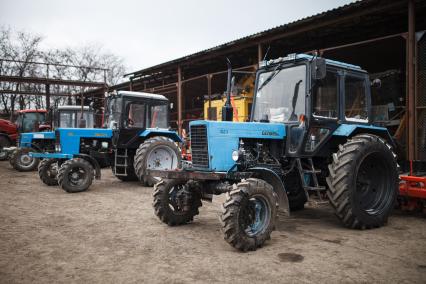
{"x": 259, "y": 53}
{"x": 209, "y": 93}
{"x": 38, "y": 80}
{"x": 47, "y": 96}
{"x": 411, "y": 46}
{"x": 179, "y": 100}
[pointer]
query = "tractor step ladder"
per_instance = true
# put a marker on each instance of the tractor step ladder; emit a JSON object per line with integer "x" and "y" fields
{"x": 312, "y": 184}
{"x": 120, "y": 162}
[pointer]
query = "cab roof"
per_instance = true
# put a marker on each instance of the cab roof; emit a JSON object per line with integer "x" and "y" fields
{"x": 303, "y": 57}
{"x": 32, "y": 111}
{"x": 141, "y": 95}
{"x": 69, "y": 107}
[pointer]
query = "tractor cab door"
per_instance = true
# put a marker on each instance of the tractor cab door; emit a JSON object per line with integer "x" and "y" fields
{"x": 133, "y": 122}
{"x": 325, "y": 110}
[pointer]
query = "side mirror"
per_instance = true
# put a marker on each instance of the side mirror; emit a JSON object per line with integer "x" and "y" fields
{"x": 376, "y": 83}
{"x": 318, "y": 68}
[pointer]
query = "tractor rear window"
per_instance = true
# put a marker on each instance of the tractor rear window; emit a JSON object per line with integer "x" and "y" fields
{"x": 158, "y": 116}
{"x": 355, "y": 99}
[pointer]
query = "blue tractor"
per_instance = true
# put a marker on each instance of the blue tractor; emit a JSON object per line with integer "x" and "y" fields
{"x": 61, "y": 116}
{"x": 310, "y": 131}
{"x": 136, "y": 138}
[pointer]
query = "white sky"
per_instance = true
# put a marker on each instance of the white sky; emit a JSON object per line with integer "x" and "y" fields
{"x": 147, "y": 33}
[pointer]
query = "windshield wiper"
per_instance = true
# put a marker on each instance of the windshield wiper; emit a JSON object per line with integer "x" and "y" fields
{"x": 270, "y": 77}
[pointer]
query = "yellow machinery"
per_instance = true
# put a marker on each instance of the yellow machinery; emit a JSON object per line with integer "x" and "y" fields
{"x": 241, "y": 103}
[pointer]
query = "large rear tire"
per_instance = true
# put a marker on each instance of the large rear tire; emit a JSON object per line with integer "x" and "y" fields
{"x": 156, "y": 153}
{"x": 174, "y": 204}
{"x": 4, "y": 142}
{"x": 363, "y": 182}
{"x": 48, "y": 171}
{"x": 248, "y": 214}
{"x": 75, "y": 175}
{"x": 21, "y": 161}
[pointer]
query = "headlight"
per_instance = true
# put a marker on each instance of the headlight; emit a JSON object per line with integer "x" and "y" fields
{"x": 58, "y": 148}
{"x": 235, "y": 155}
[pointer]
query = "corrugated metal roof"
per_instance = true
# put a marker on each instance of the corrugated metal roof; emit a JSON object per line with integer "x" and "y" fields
{"x": 258, "y": 35}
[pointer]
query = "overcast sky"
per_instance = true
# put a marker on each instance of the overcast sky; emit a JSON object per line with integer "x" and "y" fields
{"x": 147, "y": 33}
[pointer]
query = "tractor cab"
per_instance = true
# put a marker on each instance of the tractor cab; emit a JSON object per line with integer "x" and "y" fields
{"x": 71, "y": 116}
{"x": 32, "y": 120}
{"x": 131, "y": 113}
{"x": 313, "y": 97}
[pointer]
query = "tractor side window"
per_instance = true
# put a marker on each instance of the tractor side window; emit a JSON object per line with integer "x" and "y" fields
{"x": 325, "y": 96}
{"x": 136, "y": 117}
{"x": 158, "y": 116}
{"x": 355, "y": 99}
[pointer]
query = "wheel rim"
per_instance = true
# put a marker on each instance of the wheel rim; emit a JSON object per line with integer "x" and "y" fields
{"x": 77, "y": 176}
{"x": 372, "y": 184}
{"x": 162, "y": 158}
{"x": 174, "y": 203}
{"x": 26, "y": 161}
{"x": 255, "y": 215}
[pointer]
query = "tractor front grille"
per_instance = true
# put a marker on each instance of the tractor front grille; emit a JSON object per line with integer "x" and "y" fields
{"x": 199, "y": 146}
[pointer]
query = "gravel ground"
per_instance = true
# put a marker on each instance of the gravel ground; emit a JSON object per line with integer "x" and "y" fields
{"x": 110, "y": 234}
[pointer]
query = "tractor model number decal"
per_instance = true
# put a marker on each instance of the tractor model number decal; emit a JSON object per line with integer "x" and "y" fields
{"x": 269, "y": 133}
{"x": 100, "y": 134}
{"x": 223, "y": 131}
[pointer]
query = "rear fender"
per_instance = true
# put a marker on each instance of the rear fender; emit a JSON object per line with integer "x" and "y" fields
{"x": 273, "y": 179}
{"x": 148, "y": 133}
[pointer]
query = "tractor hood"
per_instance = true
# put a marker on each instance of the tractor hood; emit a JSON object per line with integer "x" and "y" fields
{"x": 27, "y": 138}
{"x": 212, "y": 142}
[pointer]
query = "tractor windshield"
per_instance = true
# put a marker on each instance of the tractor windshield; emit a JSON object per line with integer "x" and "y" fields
{"x": 280, "y": 96}
{"x": 29, "y": 120}
{"x": 158, "y": 116}
{"x": 113, "y": 112}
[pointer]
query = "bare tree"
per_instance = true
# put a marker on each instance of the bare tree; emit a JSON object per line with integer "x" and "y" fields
{"x": 22, "y": 47}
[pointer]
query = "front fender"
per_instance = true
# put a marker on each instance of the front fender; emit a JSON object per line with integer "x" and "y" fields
{"x": 273, "y": 179}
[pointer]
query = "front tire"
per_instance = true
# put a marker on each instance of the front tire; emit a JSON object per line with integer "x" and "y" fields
{"x": 157, "y": 153}
{"x": 75, "y": 175}
{"x": 174, "y": 203}
{"x": 47, "y": 171}
{"x": 363, "y": 182}
{"x": 21, "y": 161}
{"x": 248, "y": 214}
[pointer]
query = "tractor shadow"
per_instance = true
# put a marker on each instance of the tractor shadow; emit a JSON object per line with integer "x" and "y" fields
{"x": 311, "y": 216}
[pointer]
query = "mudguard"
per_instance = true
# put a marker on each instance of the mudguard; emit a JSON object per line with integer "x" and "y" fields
{"x": 149, "y": 132}
{"x": 273, "y": 179}
{"x": 94, "y": 163}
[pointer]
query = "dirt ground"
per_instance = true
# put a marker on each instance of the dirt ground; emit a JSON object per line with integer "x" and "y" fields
{"x": 110, "y": 234}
